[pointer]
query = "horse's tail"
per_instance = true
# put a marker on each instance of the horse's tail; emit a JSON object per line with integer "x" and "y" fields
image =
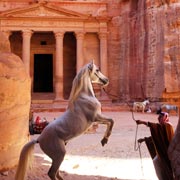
{"x": 24, "y": 160}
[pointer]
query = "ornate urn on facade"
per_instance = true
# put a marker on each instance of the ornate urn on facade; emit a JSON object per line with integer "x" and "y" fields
{"x": 14, "y": 105}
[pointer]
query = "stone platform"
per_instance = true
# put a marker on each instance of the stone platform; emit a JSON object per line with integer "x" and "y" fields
{"x": 46, "y": 103}
{"x": 48, "y": 106}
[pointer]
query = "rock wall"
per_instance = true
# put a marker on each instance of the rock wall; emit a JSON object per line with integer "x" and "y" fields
{"x": 14, "y": 105}
{"x": 172, "y": 48}
{"x": 144, "y": 48}
{"x": 145, "y": 40}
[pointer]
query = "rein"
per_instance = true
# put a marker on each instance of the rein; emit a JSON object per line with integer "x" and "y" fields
{"x": 137, "y": 145}
{"x": 125, "y": 102}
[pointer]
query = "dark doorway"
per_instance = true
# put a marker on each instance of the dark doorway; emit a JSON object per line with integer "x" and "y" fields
{"x": 43, "y": 73}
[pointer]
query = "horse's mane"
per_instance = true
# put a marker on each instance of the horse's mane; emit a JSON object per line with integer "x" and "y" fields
{"x": 80, "y": 83}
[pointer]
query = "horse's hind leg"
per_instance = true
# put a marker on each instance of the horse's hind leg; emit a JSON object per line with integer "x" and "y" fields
{"x": 53, "y": 172}
{"x": 56, "y": 151}
{"x": 57, "y": 157}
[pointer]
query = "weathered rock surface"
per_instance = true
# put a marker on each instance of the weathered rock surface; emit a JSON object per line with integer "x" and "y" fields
{"x": 14, "y": 105}
{"x": 145, "y": 40}
{"x": 144, "y": 48}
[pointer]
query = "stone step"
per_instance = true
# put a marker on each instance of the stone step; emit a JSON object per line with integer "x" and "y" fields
{"x": 47, "y": 106}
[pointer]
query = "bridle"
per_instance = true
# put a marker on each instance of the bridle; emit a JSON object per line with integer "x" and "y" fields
{"x": 116, "y": 96}
{"x": 133, "y": 117}
{"x": 102, "y": 80}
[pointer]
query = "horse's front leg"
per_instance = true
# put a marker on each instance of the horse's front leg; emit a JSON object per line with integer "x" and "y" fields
{"x": 107, "y": 121}
{"x": 143, "y": 108}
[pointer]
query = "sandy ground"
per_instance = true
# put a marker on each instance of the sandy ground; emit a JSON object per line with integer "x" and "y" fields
{"x": 86, "y": 159}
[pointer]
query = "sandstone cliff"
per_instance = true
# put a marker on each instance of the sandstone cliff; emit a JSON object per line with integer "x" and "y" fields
{"x": 144, "y": 48}
{"x": 14, "y": 105}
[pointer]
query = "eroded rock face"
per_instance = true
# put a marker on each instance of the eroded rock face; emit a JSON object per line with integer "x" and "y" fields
{"x": 14, "y": 105}
{"x": 145, "y": 40}
{"x": 144, "y": 48}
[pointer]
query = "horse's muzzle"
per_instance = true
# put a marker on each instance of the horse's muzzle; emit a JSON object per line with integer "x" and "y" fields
{"x": 105, "y": 82}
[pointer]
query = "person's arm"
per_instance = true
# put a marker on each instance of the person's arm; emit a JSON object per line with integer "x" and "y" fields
{"x": 169, "y": 131}
{"x": 141, "y": 122}
{"x": 141, "y": 140}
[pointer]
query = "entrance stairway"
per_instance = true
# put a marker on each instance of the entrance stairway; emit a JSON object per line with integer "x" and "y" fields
{"x": 45, "y": 103}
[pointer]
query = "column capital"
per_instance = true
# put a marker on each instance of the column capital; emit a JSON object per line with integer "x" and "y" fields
{"x": 59, "y": 34}
{"x": 79, "y": 34}
{"x": 27, "y": 32}
{"x": 102, "y": 35}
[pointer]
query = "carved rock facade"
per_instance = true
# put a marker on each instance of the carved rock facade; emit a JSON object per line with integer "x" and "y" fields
{"x": 135, "y": 42}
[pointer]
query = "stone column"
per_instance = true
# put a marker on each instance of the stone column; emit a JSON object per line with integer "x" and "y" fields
{"x": 103, "y": 52}
{"x": 80, "y": 57}
{"x": 59, "y": 66}
{"x": 26, "y": 34}
{"x": 103, "y": 62}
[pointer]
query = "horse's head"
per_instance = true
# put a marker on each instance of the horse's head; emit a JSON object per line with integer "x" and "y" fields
{"x": 146, "y": 102}
{"x": 96, "y": 75}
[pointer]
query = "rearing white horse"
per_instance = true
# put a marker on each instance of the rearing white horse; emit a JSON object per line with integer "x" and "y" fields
{"x": 83, "y": 109}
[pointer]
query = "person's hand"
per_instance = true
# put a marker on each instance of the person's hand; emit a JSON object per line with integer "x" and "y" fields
{"x": 141, "y": 122}
{"x": 141, "y": 140}
{"x": 138, "y": 122}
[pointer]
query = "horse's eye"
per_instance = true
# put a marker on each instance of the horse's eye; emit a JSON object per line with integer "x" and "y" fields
{"x": 97, "y": 70}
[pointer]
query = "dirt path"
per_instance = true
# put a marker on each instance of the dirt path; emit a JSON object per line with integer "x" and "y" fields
{"x": 86, "y": 159}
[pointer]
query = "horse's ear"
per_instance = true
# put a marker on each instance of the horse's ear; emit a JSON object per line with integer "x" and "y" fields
{"x": 90, "y": 66}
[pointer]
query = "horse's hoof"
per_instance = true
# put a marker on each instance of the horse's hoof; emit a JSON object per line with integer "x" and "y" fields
{"x": 52, "y": 177}
{"x": 104, "y": 141}
{"x": 59, "y": 176}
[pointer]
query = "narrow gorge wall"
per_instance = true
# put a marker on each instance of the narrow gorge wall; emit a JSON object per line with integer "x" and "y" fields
{"x": 145, "y": 41}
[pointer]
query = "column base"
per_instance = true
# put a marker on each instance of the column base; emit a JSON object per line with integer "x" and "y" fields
{"x": 60, "y": 103}
{"x": 60, "y": 100}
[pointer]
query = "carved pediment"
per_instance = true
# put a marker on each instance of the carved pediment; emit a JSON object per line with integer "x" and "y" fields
{"x": 42, "y": 10}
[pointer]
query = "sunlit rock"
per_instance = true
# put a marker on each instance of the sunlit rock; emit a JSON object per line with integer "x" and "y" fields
{"x": 14, "y": 105}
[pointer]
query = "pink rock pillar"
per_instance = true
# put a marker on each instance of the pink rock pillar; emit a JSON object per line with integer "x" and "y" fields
{"x": 14, "y": 105}
{"x": 59, "y": 66}
{"x": 103, "y": 53}
{"x": 26, "y": 49}
{"x": 103, "y": 61}
{"x": 80, "y": 58}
